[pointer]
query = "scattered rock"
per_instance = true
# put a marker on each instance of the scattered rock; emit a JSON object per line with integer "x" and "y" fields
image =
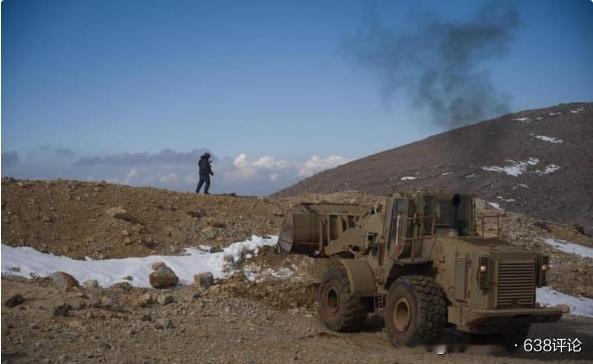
{"x": 94, "y": 302}
{"x": 91, "y": 284}
{"x": 204, "y": 280}
{"x": 165, "y": 299}
{"x": 195, "y": 214}
{"x": 163, "y": 276}
{"x": 146, "y": 318}
{"x": 64, "y": 281}
{"x": 62, "y": 310}
{"x": 14, "y": 301}
{"x": 216, "y": 249}
{"x": 163, "y": 323}
{"x": 146, "y": 299}
{"x": 76, "y": 304}
{"x": 123, "y": 286}
{"x": 212, "y": 290}
{"x": 217, "y": 224}
{"x": 107, "y": 302}
{"x": 120, "y": 214}
{"x": 128, "y": 278}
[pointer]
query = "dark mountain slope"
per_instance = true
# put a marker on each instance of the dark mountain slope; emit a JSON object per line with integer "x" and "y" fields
{"x": 538, "y": 162}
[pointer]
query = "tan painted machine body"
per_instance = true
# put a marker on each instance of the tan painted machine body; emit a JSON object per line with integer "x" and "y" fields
{"x": 489, "y": 285}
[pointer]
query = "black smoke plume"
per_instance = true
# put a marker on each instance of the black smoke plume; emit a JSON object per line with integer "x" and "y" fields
{"x": 441, "y": 64}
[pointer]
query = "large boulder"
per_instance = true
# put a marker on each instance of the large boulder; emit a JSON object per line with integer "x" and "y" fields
{"x": 163, "y": 276}
{"x": 204, "y": 280}
{"x": 14, "y": 301}
{"x": 64, "y": 281}
{"x": 91, "y": 284}
{"x": 120, "y": 214}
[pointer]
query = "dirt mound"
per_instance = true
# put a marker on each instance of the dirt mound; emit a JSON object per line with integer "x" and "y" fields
{"x": 103, "y": 220}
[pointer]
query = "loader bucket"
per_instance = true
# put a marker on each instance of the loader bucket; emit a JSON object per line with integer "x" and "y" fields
{"x": 300, "y": 233}
{"x": 308, "y": 228}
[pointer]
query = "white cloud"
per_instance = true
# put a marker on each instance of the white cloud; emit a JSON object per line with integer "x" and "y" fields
{"x": 131, "y": 176}
{"x": 174, "y": 170}
{"x": 316, "y": 164}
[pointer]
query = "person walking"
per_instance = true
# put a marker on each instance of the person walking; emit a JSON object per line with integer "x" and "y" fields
{"x": 205, "y": 170}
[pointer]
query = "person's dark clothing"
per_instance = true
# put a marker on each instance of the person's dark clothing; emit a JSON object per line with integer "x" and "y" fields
{"x": 205, "y": 170}
{"x": 205, "y": 167}
{"x": 204, "y": 178}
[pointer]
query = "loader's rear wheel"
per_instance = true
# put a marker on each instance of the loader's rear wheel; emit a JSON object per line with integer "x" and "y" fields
{"x": 415, "y": 311}
{"x": 338, "y": 309}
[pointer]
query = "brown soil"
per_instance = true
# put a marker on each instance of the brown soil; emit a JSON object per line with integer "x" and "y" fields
{"x": 254, "y": 316}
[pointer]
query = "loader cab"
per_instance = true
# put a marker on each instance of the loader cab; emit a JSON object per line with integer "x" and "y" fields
{"x": 454, "y": 214}
{"x": 418, "y": 217}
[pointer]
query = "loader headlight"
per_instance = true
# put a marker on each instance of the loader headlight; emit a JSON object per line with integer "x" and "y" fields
{"x": 483, "y": 272}
{"x": 542, "y": 267}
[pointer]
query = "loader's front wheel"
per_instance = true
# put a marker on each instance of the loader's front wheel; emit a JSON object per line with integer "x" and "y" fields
{"x": 339, "y": 310}
{"x": 415, "y": 311}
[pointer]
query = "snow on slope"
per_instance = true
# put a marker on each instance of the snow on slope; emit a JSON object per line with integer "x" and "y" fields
{"x": 31, "y": 263}
{"x": 569, "y": 247}
{"x": 550, "y": 168}
{"x": 579, "y": 306}
{"x": 515, "y": 168}
{"x": 548, "y": 139}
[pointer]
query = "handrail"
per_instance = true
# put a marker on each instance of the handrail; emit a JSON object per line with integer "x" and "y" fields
{"x": 482, "y": 219}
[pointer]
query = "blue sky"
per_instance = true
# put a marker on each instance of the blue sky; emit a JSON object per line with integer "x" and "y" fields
{"x": 265, "y": 79}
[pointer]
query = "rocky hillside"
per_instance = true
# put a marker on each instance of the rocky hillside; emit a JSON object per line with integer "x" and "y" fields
{"x": 103, "y": 220}
{"x": 265, "y": 297}
{"x": 538, "y": 162}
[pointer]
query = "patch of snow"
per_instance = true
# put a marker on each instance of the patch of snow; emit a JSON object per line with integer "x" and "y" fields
{"x": 524, "y": 119}
{"x": 549, "y": 139}
{"x": 515, "y": 168}
{"x": 550, "y": 168}
{"x": 495, "y": 205}
{"x": 473, "y": 175}
{"x": 446, "y": 173}
{"x": 33, "y": 263}
{"x": 579, "y": 306}
{"x": 205, "y": 248}
{"x": 520, "y": 185}
{"x": 577, "y": 111}
{"x": 539, "y": 118}
{"x": 256, "y": 274}
{"x": 555, "y": 113}
{"x": 569, "y": 247}
{"x": 408, "y": 178}
{"x": 505, "y": 200}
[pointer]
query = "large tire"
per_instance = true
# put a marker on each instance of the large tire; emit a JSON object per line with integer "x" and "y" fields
{"x": 339, "y": 310}
{"x": 415, "y": 311}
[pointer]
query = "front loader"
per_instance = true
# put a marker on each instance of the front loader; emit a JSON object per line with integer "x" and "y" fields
{"x": 419, "y": 258}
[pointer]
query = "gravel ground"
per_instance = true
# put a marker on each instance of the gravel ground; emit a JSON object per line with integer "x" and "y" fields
{"x": 214, "y": 326}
